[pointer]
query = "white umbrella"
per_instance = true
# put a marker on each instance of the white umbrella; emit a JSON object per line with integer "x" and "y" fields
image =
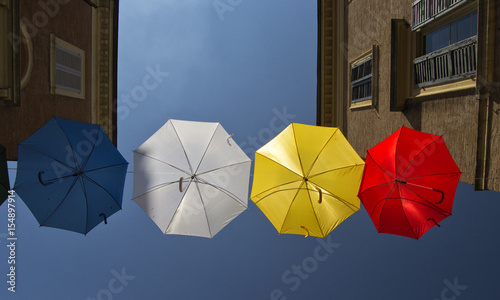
{"x": 191, "y": 178}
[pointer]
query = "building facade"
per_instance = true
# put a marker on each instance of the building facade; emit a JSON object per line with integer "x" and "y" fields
{"x": 57, "y": 58}
{"x": 431, "y": 65}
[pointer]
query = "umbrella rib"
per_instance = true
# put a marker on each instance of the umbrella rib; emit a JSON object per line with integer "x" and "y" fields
{"x": 428, "y": 204}
{"x": 417, "y": 154}
{"x": 383, "y": 204}
{"x": 204, "y": 208}
{"x": 60, "y": 203}
{"x": 206, "y": 149}
{"x": 395, "y": 156}
{"x": 404, "y": 212}
{"x": 333, "y": 195}
{"x": 91, "y": 151}
{"x": 337, "y": 198}
{"x": 380, "y": 167}
{"x": 222, "y": 190}
{"x": 183, "y": 149}
{"x": 156, "y": 188}
{"x": 104, "y": 167}
{"x": 177, "y": 208}
{"x": 274, "y": 192}
{"x": 226, "y": 166}
{"x": 53, "y": 179}
{"x": 86, "y": 204}
{"x": 92, "y": 181}
{"x": 319, "y": 153}
{"x": 298, "y": 154}
{"x": 344, "y": 201}
{"x": 436, "y": 174}
{"x": 69, "y": 167}
{"x": 314, "y": 211}
{"x": 274, "y": 187}
{"x": 71, "y": 146}
{"x": 28, "y": 185}
{"x": 289, "y": 207}
{"x": 283, "y": 166}
{"x": 163, "y": 162}
{"x": 378, "y": 185}
{"x": 337, "y": 169}
{"x": 377, "y": 204}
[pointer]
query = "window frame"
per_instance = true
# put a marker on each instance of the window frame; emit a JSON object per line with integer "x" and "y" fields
{"x": 368, "y": 101}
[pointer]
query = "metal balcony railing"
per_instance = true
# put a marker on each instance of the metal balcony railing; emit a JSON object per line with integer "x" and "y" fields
{"x": 424, "y": 11}
{"x": 454, "y": 62}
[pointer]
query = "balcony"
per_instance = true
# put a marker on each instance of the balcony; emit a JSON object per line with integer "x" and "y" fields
{"x": 424, "y": 11}
{"x": 457, "y": 61}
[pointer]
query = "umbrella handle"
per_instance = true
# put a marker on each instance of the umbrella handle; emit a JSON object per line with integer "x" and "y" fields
{"x": 434, "y": 189}
{"x": 442, "y": 195}
{"x": 320, "y": 196}
{"x": 180, "y": 184}
{"x": 105, "y": 220}
{"x": 41, "y": 180}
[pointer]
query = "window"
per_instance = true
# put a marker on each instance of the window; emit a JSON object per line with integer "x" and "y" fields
{"x": 451, "y": 33}
{"x": 449, "y": 52}
{"x": 363, "y": 80}
{"x": 67, "y": 69}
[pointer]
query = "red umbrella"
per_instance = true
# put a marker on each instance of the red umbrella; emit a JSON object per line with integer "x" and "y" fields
{"x": 409, "y": 183}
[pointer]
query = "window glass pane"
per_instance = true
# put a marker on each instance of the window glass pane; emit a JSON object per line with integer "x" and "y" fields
{"x": 361, "y": 71}
{"x": 355, "y": 91}
{"x": 437, "y": 39}
{"x": 361, "y": 80}
{"x": 368, "y": 67}
{"x": 474, "y": 23}
{"x": 463, "y": 28}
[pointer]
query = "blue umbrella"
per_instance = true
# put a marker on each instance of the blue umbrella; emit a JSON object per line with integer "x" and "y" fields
{"x": 4, "y": 175}
{"x": 70, "y": 175}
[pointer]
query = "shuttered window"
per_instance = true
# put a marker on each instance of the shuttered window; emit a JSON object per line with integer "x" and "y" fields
{"x": 361, "y": 81}
{"x": 67, "y": 74}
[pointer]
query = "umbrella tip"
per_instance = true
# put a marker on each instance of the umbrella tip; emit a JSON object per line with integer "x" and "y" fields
{"x": 307, "y": 230}
{"x": 435, "y": 223}
{"x": 104, "y": 216}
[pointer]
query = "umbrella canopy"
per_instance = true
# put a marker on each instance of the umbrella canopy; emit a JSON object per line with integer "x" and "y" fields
{"x": 306, "y": 180}
{"x": 4, "y": 175}
{"x": 191, "y": 178}
{"x": 70, "y": 175}
{"x": 409, "y": 183}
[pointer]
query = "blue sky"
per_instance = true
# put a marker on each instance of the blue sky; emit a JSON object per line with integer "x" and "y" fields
{"x": 252, "y": 68}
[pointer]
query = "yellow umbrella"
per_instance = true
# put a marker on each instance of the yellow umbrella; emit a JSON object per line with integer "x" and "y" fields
{"x": 306, "y": 180}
